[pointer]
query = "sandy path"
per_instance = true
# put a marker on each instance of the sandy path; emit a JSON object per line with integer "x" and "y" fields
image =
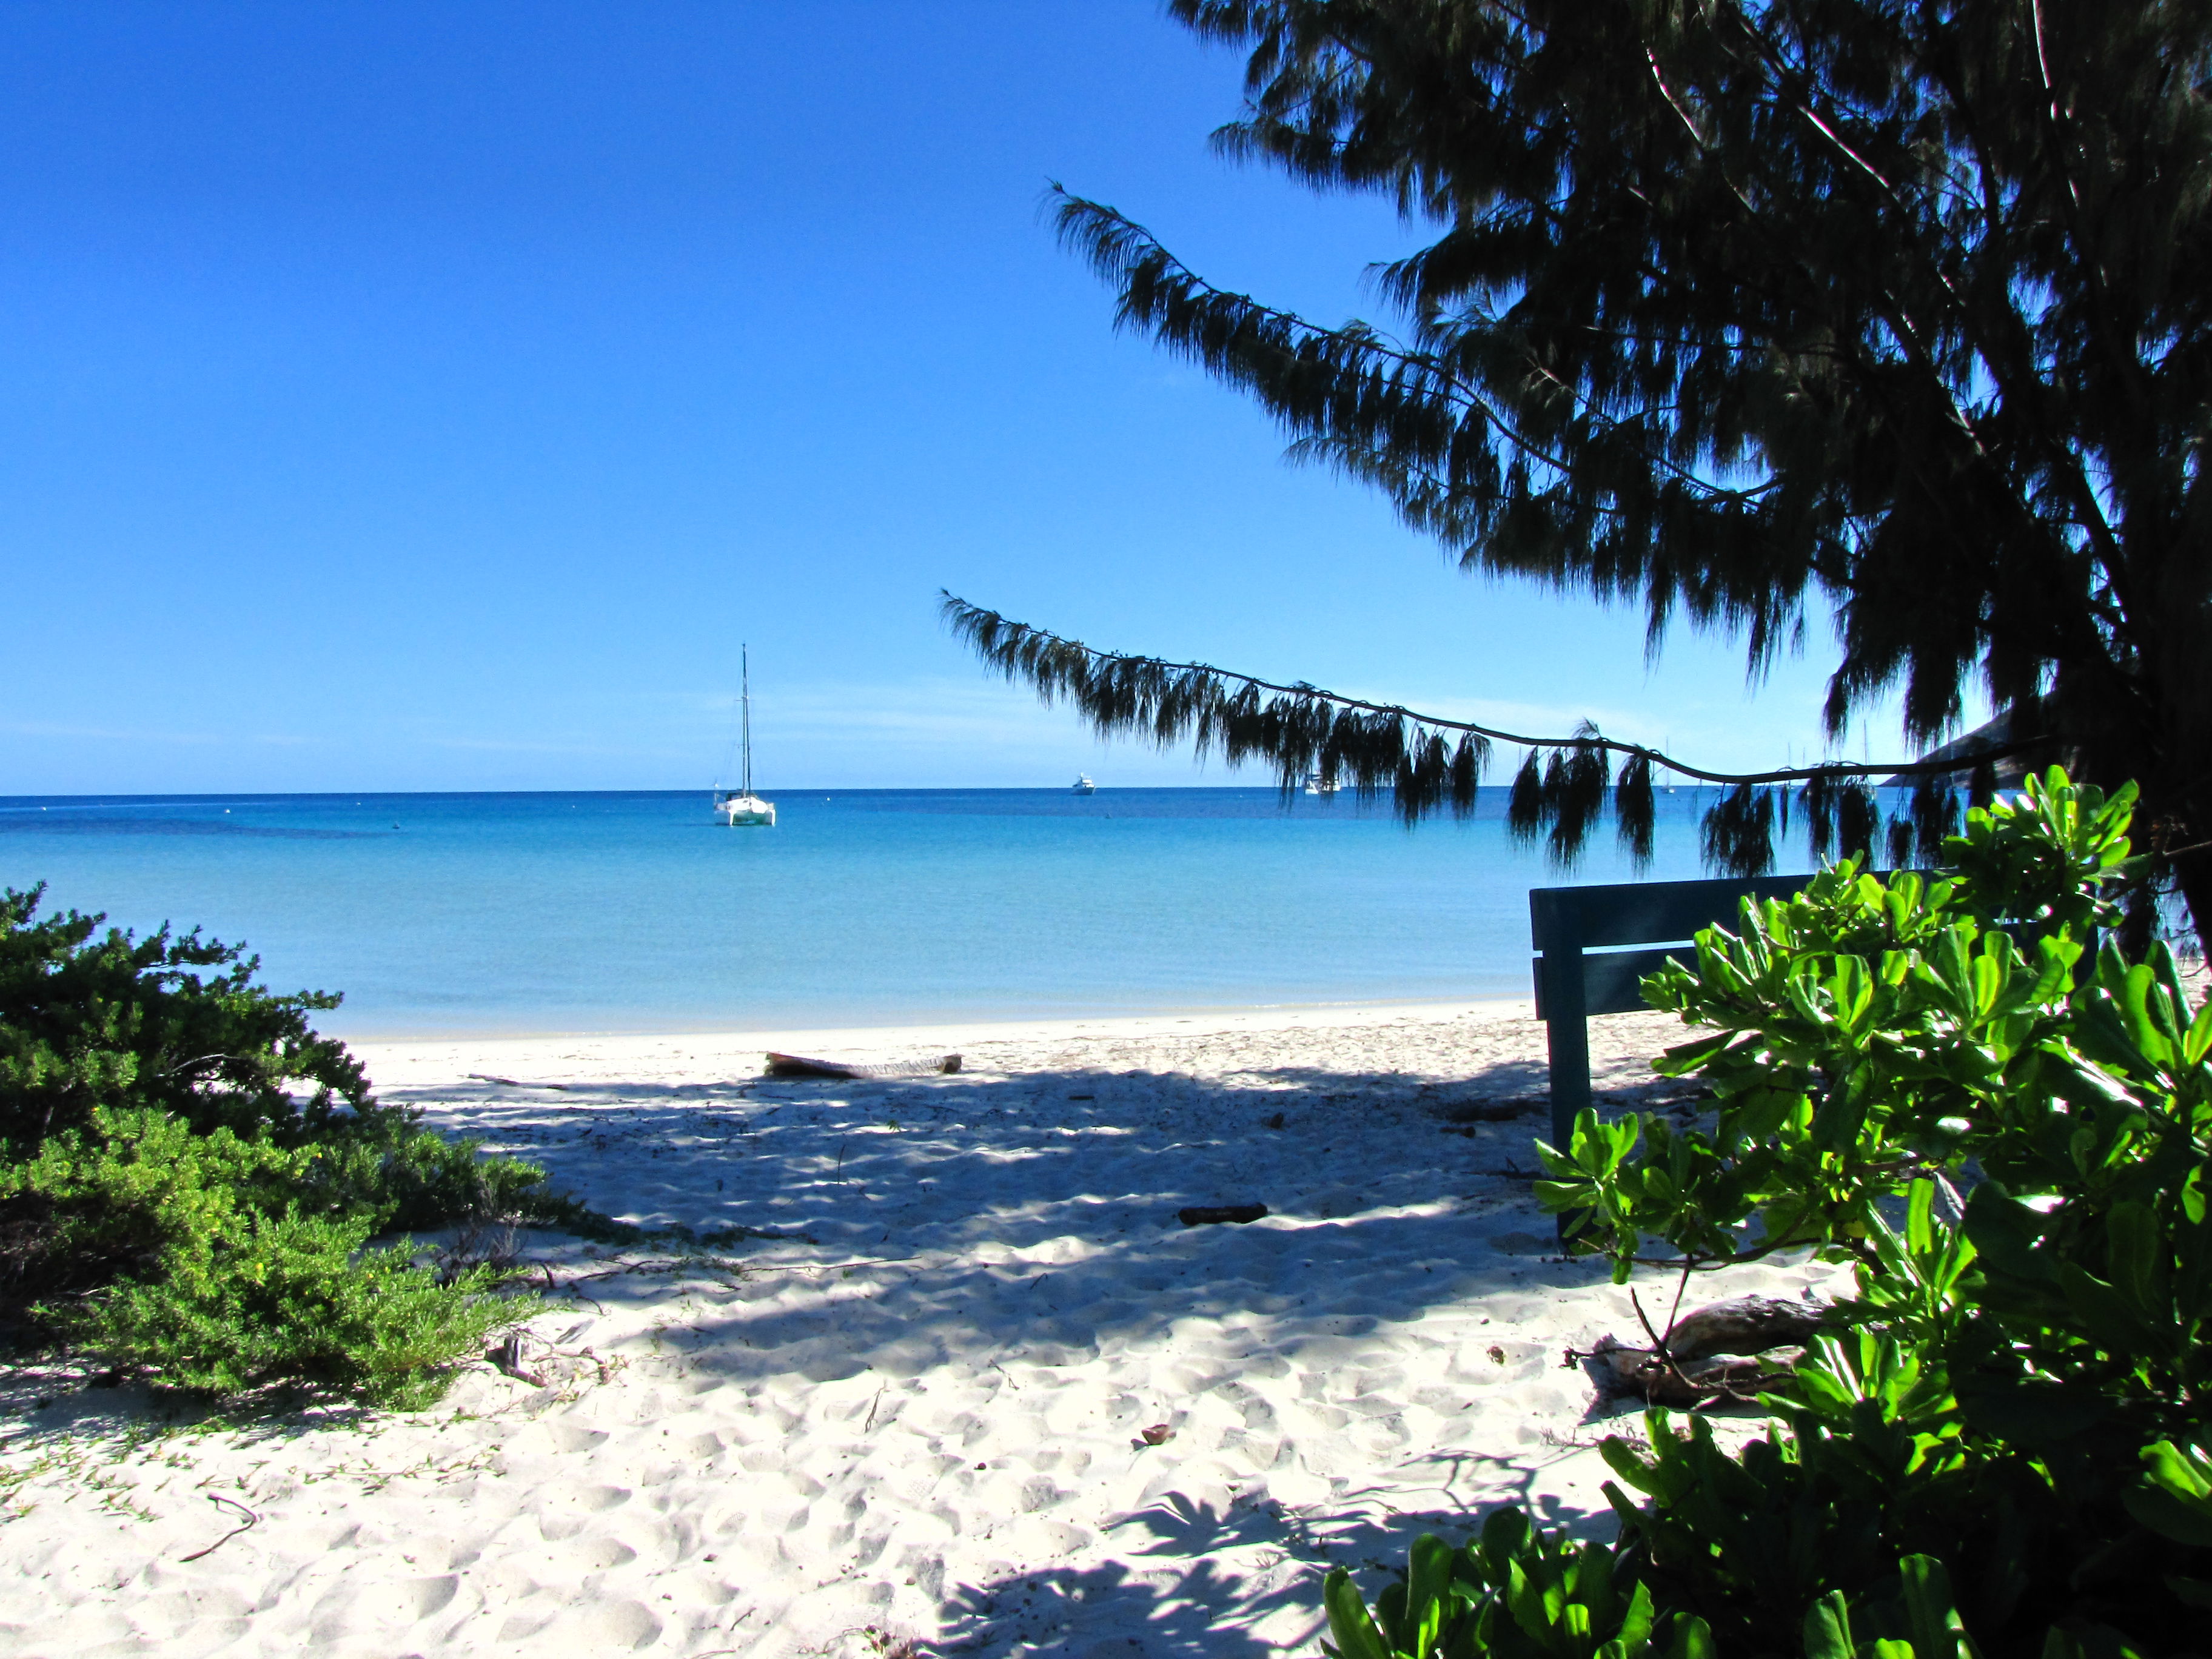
{"x": 920, "y": 1409}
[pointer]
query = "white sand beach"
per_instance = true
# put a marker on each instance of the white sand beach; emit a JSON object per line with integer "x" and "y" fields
{"x": 913, "y": 1404}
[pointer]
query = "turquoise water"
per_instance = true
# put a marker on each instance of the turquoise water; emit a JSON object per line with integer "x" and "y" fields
{"x": 638, "y": 911}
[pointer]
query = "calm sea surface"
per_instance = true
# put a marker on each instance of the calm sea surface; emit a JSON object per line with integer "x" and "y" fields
{"x": 531, "y": 913}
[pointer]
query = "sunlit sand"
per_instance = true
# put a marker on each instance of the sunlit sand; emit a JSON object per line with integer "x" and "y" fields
{"x": 965, "y": 1378}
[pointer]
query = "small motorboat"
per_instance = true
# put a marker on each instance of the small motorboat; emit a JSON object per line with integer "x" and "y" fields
{"x": 1318, "y": 785}
{"x": 1083, "y": 785}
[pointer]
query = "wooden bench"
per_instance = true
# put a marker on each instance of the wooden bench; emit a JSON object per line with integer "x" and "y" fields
{"x": 1581, "y": 969}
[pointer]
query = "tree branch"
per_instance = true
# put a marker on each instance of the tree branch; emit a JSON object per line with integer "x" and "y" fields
{"x": 1079, "y": 222}
{"x": 1046, "y": 659}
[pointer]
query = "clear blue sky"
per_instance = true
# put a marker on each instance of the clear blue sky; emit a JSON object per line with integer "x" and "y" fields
{"x": 402, "y": 396}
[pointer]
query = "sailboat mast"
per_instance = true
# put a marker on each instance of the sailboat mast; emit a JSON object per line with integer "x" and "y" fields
{"x": 745, "y": 714}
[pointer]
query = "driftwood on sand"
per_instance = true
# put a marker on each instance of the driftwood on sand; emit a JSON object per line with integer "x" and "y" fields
{"x": 801, "y": 1066}
{"x": 1722, "y": 1354}
{"x": 1206, "y": 1215}
{"x": 1746, "y": 1324}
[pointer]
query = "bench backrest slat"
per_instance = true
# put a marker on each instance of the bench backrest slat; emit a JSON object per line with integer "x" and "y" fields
{"x": 1612, "y": 980}
{"x": 1580, "y": 971}
{"x": 1642, "y": 912}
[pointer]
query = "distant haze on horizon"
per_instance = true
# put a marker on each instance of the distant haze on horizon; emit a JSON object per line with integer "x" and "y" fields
{"x": 400, "y": 396}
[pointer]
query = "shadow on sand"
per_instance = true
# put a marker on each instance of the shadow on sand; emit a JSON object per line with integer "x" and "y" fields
{"x": 1027, "y": 1226}
{"x": 1019, "y": 1231}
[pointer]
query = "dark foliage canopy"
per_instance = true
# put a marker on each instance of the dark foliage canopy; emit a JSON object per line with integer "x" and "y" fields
{"x": 1742, "y": 312}
{"x": 1430, "y": 763}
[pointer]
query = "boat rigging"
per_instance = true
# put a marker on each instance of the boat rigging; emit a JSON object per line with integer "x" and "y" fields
{"x": 740, "y": 808}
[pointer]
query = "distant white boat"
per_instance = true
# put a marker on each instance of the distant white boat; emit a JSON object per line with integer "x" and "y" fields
{"x": 1317, "y": 785}
{"x": 1083, "y": 785}
{"x": 740, "y": 808}
{"x": 746, "y": 811}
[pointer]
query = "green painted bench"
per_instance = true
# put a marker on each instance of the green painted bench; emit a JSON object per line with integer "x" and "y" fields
{"x": 1593, "y": 944}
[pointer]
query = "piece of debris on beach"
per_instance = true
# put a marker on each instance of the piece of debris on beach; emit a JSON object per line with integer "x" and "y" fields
{"x": 1722, "y": 1354}
{"x": 1205, "y": 1215}
{"x": 801, "y": 1066}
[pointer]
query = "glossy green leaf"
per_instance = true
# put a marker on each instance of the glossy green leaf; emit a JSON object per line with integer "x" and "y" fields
{"x": 1828, "y": 1629}
{"x": 1636, "y": 1620}
{"x": 1350, "y": 1625}
{"x": 1931, "y": 1616}
{"x": 1428, "y": 1594}
{"x": 2197, "y": 1043}
{"x": 2175, "y": 1498}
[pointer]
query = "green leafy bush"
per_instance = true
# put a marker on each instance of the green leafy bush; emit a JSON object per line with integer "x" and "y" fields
{"x": 191, "y": 1176}
{"x": 1515, "y": 1591}
{"x": 2008, "y": 1134}
{"x": 204, "y": 1265}
{"x": 170, "y": 1021}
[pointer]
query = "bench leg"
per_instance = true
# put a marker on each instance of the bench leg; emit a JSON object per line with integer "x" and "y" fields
{"x": 1566, "y": 1031}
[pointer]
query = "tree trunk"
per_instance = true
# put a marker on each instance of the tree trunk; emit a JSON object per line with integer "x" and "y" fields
{"x": 2192, "y": 873}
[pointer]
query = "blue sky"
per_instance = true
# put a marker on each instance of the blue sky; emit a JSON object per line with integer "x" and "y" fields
{"x": 427, "y": 397}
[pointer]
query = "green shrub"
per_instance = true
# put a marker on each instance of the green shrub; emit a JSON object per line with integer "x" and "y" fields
{"x": 2007, "y": 1439}
{"x": 292, "y": 1298}
{"x": 1515, "y": 1591}
{"x": 174, "y": 1202}
{"x": 175, "y": 1022}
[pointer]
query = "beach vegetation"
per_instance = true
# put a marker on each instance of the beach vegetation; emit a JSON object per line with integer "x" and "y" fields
{"x": 1961, "y": 1088}
{"x": 1760, "y": 318}
{"x": 193, "y": 1180}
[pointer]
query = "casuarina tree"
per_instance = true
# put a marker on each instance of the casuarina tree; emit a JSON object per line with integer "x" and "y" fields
{"x": 1750, "y": 314}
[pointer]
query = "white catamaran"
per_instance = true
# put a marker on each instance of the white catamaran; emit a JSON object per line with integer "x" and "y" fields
{"x": 741, "y": 808}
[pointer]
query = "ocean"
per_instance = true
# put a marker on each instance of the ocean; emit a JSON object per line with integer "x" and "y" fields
{"x": 514, "y": 913}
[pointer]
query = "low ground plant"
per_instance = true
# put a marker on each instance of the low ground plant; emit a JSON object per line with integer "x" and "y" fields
{"x": 191, "y": 1178}
{"x": 2004, "y": 1127}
